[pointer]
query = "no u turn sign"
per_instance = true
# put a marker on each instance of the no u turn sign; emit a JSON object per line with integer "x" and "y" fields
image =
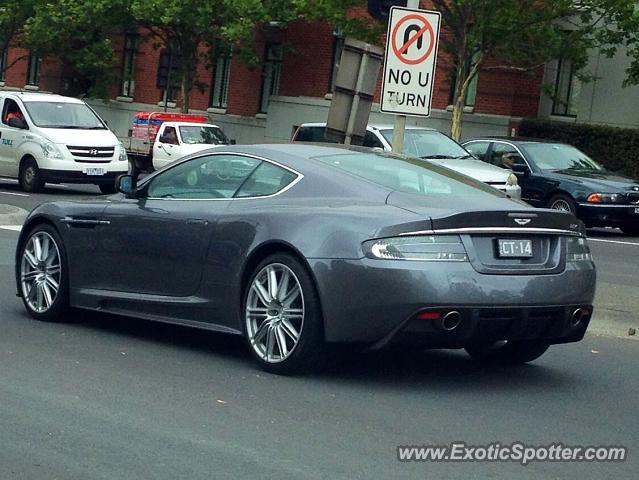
{"x": 410, "y": 61}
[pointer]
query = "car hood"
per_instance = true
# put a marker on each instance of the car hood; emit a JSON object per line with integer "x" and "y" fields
{"x": 76, "y": 137}
{"x": 482, "y": 171}
{"x": 606, "y": 182}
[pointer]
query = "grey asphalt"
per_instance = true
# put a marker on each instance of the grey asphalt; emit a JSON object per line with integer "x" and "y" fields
{"x": 113, "y": 397}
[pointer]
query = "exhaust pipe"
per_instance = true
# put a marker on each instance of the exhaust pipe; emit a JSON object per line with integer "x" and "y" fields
{"x": 450, "y": 321}
{"x": 578, "y": 316}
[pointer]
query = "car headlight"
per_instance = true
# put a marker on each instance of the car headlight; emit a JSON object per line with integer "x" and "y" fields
{"x": 429, "y": 248}
{"x": 122, "y": 156}
{"x": 50, "y": 150}
{"x": 605, "y": 198}
{"x": 577, "y": 250}
{"x": 511, "y": 181}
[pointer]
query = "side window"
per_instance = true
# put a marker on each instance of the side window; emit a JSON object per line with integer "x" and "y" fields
{"x": 267, "y": 179}
{"x": 370, "y": 140}
{"x": 311, "y": 134}
{"x": 211, "y": 176}
{"x": 11, "y": 110}
{"x": 170, "y": 136}
{"x": 503, "y": 155}
{"x": 479, "y": 149}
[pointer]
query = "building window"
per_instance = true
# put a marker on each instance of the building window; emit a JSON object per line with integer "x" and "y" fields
{"x": 338, "y": 47}
{"x": 128, "y": 64}
{"x": 3, "y": 66}
{"x": 33, "y": 69}
{"x": 567, "y": 88}
{"x": 471, "y": 93}
{"x": 271, "y": 74}
{"x": 168, "y": 80}
{"x": 221, "y": 76}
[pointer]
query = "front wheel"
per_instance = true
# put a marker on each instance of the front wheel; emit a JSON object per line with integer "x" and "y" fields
{"x": 630, "y": 229}
{"x": 107, "y": 188}
{"x": 508, "y": 352}
{"x": 563, "y": 203}
{"x": 42, "y": 274}
{"x": 283, "y": 323}
{"x": 30, "y": 177}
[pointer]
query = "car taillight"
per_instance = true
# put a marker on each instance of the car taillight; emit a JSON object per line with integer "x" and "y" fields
{"x": 429, "y": 248}
{"x": 577, "y": 250}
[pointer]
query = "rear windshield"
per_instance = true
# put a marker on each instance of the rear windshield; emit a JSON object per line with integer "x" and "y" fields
{"x": 406, "y": 174}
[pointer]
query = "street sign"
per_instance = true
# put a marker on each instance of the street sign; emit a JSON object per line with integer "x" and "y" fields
{"x": 410, "y": 61}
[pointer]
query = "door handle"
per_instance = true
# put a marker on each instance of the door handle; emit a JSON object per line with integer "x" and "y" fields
{"x": 197, "y": 221}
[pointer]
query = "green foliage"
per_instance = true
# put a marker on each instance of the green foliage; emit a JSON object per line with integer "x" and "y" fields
{"x": 78, "y": 33}
{"x": 614, "y": 148}
{"x": 13, "y": 15}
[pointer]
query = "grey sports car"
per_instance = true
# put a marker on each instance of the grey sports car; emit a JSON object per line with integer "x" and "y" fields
{"x": 299, "y": 246}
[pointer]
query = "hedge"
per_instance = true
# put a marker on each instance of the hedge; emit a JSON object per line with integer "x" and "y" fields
{"x": 617, "y": 149}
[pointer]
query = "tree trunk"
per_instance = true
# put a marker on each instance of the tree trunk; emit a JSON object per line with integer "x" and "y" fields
{"x": 185, "y": 90}
{"x": 464, "y": 76}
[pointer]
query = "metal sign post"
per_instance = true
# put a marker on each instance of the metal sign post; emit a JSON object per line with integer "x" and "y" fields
{"x": 409, "y": 65}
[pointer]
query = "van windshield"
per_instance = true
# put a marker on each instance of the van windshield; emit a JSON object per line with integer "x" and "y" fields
{"x": 63, "y": 115}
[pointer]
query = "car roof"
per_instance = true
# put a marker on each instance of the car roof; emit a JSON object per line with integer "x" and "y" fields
{"x": 372, "y": 126}
{"x": 41, "y": 97}
{"x": 518, "y": 140}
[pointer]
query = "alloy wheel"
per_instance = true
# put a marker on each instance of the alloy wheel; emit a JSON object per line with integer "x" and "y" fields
{"x": 274, "y": 312}
{"x": 40, "y": 272}
{"x": 561, "y": 205}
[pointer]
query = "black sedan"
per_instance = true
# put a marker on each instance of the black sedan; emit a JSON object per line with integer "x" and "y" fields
{"x": 559, "y": 176}
{"x": 298, "y": 246}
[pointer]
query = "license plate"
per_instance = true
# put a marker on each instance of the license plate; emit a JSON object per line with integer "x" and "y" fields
{"x": 94, "y": 171}
{"x": 514, "y": 248}
{"x": 636, "y": 209}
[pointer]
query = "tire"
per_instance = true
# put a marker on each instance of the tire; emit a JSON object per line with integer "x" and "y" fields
{"x": 508, "y": 353}
{"x": 563, "y": 203}
{"x": 630, "y": 230}
{"x": 30, "y": 177}
{"x": 107, "y": 188}
{"x": 283, "y": 339}
{"x": 38, "y": 276}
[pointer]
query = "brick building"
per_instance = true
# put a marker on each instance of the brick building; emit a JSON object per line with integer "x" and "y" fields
{"x": 292, "y": 85}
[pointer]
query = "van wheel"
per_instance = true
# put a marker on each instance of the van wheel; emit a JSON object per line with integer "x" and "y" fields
{"x": 107, "y": 188}
{"x": 30, "y": 177}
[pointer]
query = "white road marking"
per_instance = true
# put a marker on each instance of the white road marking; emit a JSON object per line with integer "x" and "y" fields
{"x": 15, "y": 228}
{"x": 16, "y": 194}
{"x": 612, "y": 241}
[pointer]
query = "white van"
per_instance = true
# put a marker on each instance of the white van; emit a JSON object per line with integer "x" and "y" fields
{"x": 47, "y": 138}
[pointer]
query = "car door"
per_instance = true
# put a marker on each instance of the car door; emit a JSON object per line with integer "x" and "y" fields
{"x": 9, "y": 142}
{"x": 157, "y": 243}
{"x": 166, "y": 150}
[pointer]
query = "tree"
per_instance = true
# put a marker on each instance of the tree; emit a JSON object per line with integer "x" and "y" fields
{"x": 524, "y": 34}
{"x": 79, "y": 33}
{"x": 191, "y": 29}
{"x": 13, "y": 15}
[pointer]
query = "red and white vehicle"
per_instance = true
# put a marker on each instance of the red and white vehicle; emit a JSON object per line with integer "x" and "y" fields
{"x": 158, "y": 139}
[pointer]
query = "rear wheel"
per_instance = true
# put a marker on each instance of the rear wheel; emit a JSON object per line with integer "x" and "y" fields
{"x": 508, "y": 352}
{"x": 42, "y": 274}
{"x": 563, "y": 203}
{"x": 282, "y": 316}
{"x": 30, "y": 177}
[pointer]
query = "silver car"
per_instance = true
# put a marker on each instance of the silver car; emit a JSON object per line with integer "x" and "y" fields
{"x": 428, "y": 144}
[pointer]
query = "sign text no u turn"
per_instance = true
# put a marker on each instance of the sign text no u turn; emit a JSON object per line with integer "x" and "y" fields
{"x": 410, "y": 61}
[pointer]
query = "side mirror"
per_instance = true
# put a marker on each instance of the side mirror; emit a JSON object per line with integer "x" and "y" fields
{"x": 16, "y": 122}
{"x": 126, "y": 184}
{"x": 232, "y": 141}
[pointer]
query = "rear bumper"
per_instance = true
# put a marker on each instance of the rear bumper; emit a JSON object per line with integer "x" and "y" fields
{"x": 71, "y": 176}
{"x": 598, "y": 215}
{"x": 373, "y": 301}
